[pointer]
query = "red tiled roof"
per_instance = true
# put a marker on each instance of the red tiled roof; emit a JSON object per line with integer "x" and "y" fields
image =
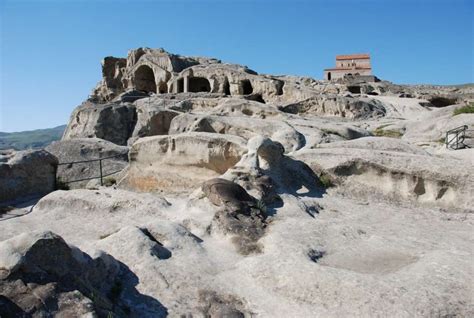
{"x": 352, "y": 57}
{"x": 347, "y": 68}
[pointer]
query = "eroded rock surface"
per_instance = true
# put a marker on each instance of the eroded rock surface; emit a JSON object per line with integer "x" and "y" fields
{"x": 252, "y": 195}
{"x": 84, "y": 149}
{"x": 40, "y": 275}
{"x": 179, "y": 162}
{"x": 26, "y": 174}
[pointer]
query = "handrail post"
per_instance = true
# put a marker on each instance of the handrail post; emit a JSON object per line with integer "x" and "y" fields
{"x": 100, "y": 168}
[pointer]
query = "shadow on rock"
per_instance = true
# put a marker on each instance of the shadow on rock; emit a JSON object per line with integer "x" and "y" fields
{"x": 40, "y": 275}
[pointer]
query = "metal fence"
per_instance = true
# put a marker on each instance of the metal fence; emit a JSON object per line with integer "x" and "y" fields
{"x": 101, "y": 175}
{"x": 456, "y": 138}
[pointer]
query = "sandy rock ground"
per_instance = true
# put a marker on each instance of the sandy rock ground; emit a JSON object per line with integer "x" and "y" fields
{"x": 351, "y": 258}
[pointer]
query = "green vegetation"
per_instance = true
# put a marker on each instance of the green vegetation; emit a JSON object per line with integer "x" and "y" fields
{"x": 261, "y": 206}
{"x": 109, "y": 181}
{"x": 326, "y": 180}
{"x": 39, "y": 138}
{"x": 61, "y": 185}
{"x": 468, "y": 109}
{"x": 380, "y": 132}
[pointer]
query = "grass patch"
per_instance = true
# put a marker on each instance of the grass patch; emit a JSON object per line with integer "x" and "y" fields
{"x": 326, "y": 180}
{"x": 380, "y": 132}
{"x": 261, "y": 206}
{"x": 109, "y": 181}
{"x": 468, "y": 109}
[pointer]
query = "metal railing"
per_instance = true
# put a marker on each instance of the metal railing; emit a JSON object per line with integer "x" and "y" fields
{"x": 455, "y": 138}
{"x": 101, "y": 175}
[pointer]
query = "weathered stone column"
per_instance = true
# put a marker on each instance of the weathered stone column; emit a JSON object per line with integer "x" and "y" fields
{"x": 186, "y": 84}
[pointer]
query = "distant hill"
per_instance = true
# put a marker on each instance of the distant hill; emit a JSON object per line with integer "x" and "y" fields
{"x": 38, "y": 138}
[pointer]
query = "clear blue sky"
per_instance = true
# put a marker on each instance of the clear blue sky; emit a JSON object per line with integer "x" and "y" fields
{"x": 51, "y": 50}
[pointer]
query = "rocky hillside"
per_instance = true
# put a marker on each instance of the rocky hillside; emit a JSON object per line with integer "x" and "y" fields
{"x": 229, "y": 193}
{"x": 31, "y": 139}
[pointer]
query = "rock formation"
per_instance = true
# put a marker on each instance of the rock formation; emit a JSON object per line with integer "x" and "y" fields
{"x": 27, "y": 174}
{"x": 238, "y": 194}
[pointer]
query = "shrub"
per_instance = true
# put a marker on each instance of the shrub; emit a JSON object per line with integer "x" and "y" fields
{"x": 261, "y": 206}
{"x": 61, "y": 185}
{"x": 468, "y": 109}
{"x": 380, "y": 132}
{"x": 326, "y": 180}
{"x": 109, "y": 181}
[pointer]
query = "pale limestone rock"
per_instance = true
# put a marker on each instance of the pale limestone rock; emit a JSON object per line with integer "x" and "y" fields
{"x": 243, "y": 127}
{"x": 113, "y": 122}
{"x": 27, "y": 174}
{"x": 83, "y": 149}
{"x": 178, "y": 162}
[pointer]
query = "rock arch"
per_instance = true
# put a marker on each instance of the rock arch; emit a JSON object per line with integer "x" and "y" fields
{"x": 144, "y": 79}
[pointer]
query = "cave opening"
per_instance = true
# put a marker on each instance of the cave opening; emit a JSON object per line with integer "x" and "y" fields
{"x": 226, "y": 88}
{"x": 180, "y": 85}
{"x": 439, "y": 101}
{"x": 199, "y": 84}
{"x": 354, "y": 89}
{"x": 280, "y": 88}
{"x": 145, "y": 79}
{"x": 247, "y": 88}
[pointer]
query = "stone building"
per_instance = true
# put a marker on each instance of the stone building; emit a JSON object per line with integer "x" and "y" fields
{"x": 353, "y": 64}
{"x": 155, "y": 71}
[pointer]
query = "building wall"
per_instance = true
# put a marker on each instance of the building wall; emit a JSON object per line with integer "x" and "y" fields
{"x": 335, "y": 74}
{"x": 350, "y": 63}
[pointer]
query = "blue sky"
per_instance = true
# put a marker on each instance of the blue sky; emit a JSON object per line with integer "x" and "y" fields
{"x": 51, "y": 50}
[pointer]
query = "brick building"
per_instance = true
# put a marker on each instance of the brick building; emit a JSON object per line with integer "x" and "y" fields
{"x": 353, "y": 64}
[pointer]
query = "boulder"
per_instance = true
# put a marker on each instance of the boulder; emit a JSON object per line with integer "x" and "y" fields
{"x": 240, "y": 215}
{"x": 83, "y": 149}
{"x": 40, "y": 275}
{"x": 267, "y": 169}
{"x": 178, "y": 163}
{"x": 27, "y": 174}
{"x": 114, "y": 122}
{"x": 222, "y": 192}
